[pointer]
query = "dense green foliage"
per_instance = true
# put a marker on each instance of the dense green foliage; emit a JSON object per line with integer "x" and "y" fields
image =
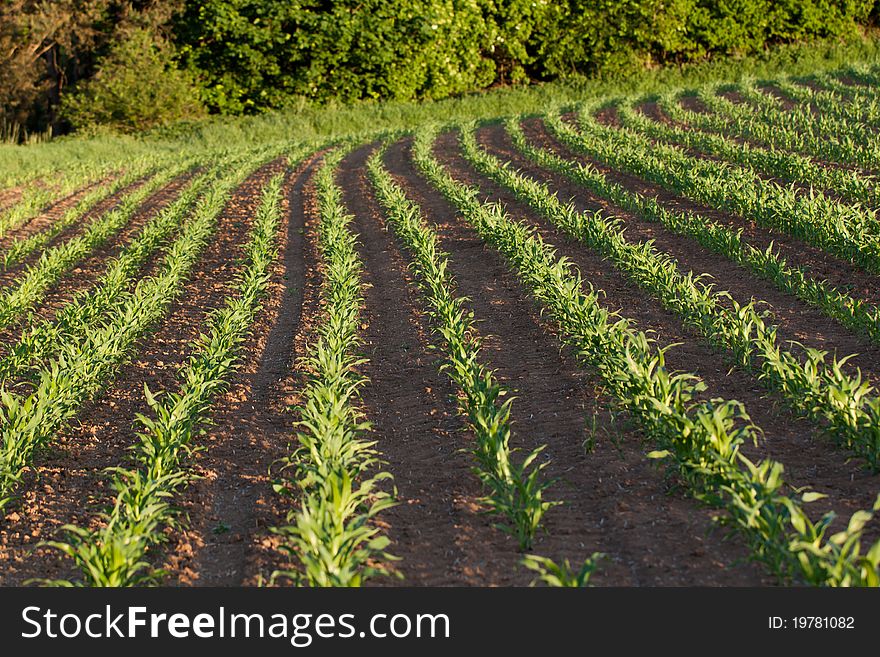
{"x": 259, "y": 54}
{"x": 136, "y": 87}
{"x": 248, "y": 56}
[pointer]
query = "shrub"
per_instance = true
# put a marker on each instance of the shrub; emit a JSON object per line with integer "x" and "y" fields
{"x": 136, "y": 86}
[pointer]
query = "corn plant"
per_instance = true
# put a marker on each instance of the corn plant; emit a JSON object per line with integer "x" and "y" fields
{"x": 561, "y": 575}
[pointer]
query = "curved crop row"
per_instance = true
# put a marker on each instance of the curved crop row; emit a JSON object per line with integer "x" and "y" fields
{"x": 701, "y": 439}
{"x": 770, "y": 161}
{"x": 31, "y": 286}
{"x": 36, "y": 198}
{"x": 855, "y": 314}
{"x": 116, "y": 553}
{"x": 847, "y": 136}
{"x": 111, "y": 291}
{"x": 332, "y": 532}
{"x": 742, "y": 121}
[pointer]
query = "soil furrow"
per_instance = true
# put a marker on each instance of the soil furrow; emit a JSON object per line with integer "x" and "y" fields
{"x": 437, "y": 529}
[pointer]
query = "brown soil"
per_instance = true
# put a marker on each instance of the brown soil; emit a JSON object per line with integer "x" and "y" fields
{"x": 10, "y": 196}
{"x": 851, "y": 81}
{"x": 437, "y": 529}
{"x": 693, "y": 104}
{"x": 608, "y": 116}
{"x": 787, "y": 439}
{"x": 652, "y": 110}
{"x": 230, "y": 509}
{"x": 734, "y": 97}
{"x": 616, "y": 501}
{"x": 69, "y": 484}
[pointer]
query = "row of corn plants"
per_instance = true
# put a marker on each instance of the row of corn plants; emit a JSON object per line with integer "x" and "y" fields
{"x": 850, "y": 102}
{"x": 334, "y": 477}
{"x": 36, "y": 198}
{"x": 699, "y": 439}
{"x": 770, "y": 161}
{"x": 110, "y": 292}
{"x": 847, "y": 231}
{"x": 29, "y": 420}
{"x": 742, "y": 121}
{"x": 813, "y": 386}
{"x": 861, "y": 99}
{"x": 851, "y": 109}
{"x": 855, "y": 314}
{"x": 801, "y": 119}
{"x": 116, "y": 552}
{"x": 19, "y": 249}
{"x": 29, "y": 288}
{"x": 515, "y": 487}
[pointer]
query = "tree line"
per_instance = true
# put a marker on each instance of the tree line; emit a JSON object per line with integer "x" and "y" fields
{"x": 77, "y": 64}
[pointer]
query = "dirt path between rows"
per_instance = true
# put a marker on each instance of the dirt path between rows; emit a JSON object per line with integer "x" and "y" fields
{"x": 230, "y": 506}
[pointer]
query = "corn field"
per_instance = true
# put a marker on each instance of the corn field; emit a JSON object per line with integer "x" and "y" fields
{"x": 630, "y": 341}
